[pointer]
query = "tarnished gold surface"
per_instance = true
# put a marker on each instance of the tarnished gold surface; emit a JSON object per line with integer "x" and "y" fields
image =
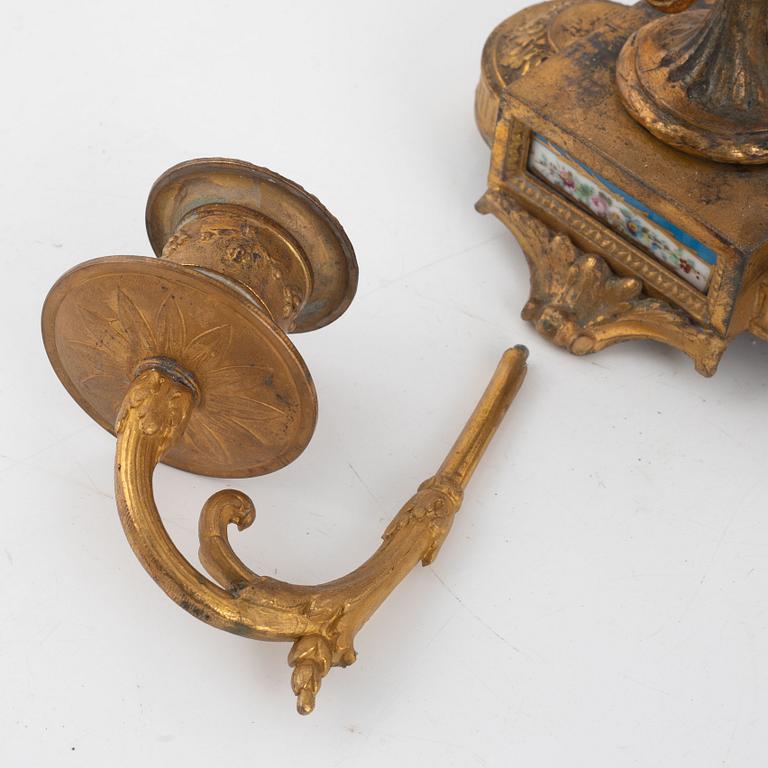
{"x": 591, "y": 286}
{"x": 699, "y": 80}
{"x": 186, "y": 360}
{"x": 524, "y": 41}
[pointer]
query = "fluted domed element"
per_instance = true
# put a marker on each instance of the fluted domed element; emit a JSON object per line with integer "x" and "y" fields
{"x": 699, "y": 80}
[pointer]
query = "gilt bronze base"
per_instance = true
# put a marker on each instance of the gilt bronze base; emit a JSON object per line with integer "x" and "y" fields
{"x": 627, "y": 237}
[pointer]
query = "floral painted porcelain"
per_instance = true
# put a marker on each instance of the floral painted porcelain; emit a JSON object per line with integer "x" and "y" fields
{"x": 624, "y": 214}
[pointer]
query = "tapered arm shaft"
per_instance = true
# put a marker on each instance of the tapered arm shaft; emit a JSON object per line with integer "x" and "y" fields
{"x": 468, "y": 449}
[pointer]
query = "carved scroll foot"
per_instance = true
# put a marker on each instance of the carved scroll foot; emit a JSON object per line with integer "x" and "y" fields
{"x": 580, "y": 304}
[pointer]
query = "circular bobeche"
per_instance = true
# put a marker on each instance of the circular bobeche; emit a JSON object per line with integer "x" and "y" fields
{"x": 257, "y": 408}
{"x": 206, "y": 181}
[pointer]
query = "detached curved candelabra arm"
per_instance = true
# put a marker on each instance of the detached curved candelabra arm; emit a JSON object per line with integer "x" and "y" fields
{"x": 186, "y": 359}
{"x": 322, "y": 620}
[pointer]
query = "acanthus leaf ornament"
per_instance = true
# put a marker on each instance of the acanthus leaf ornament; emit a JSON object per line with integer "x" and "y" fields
{"x": 580, "y": 304}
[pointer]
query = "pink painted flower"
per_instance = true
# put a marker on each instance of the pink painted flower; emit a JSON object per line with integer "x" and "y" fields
{"x": 567, "y": 178}
{"x": 600, "y": 204}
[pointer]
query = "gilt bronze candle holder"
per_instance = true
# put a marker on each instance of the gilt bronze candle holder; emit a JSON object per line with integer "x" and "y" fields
{"x": 185, "y": 358}
{"x": 628, "y": 158}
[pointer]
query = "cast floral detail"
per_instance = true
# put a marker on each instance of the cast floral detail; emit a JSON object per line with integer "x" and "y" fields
{"x": 621, "y": 216}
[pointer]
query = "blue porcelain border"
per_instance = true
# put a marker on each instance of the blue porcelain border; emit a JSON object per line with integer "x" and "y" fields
{"x": 659, "y": 245}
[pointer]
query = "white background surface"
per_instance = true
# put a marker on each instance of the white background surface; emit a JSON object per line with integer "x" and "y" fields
{"x": 602, "y": 598}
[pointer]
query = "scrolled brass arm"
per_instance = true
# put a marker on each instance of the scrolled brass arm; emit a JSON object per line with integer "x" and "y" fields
{"x": 321, "y": 621}
{"x": 153, "y": 415}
